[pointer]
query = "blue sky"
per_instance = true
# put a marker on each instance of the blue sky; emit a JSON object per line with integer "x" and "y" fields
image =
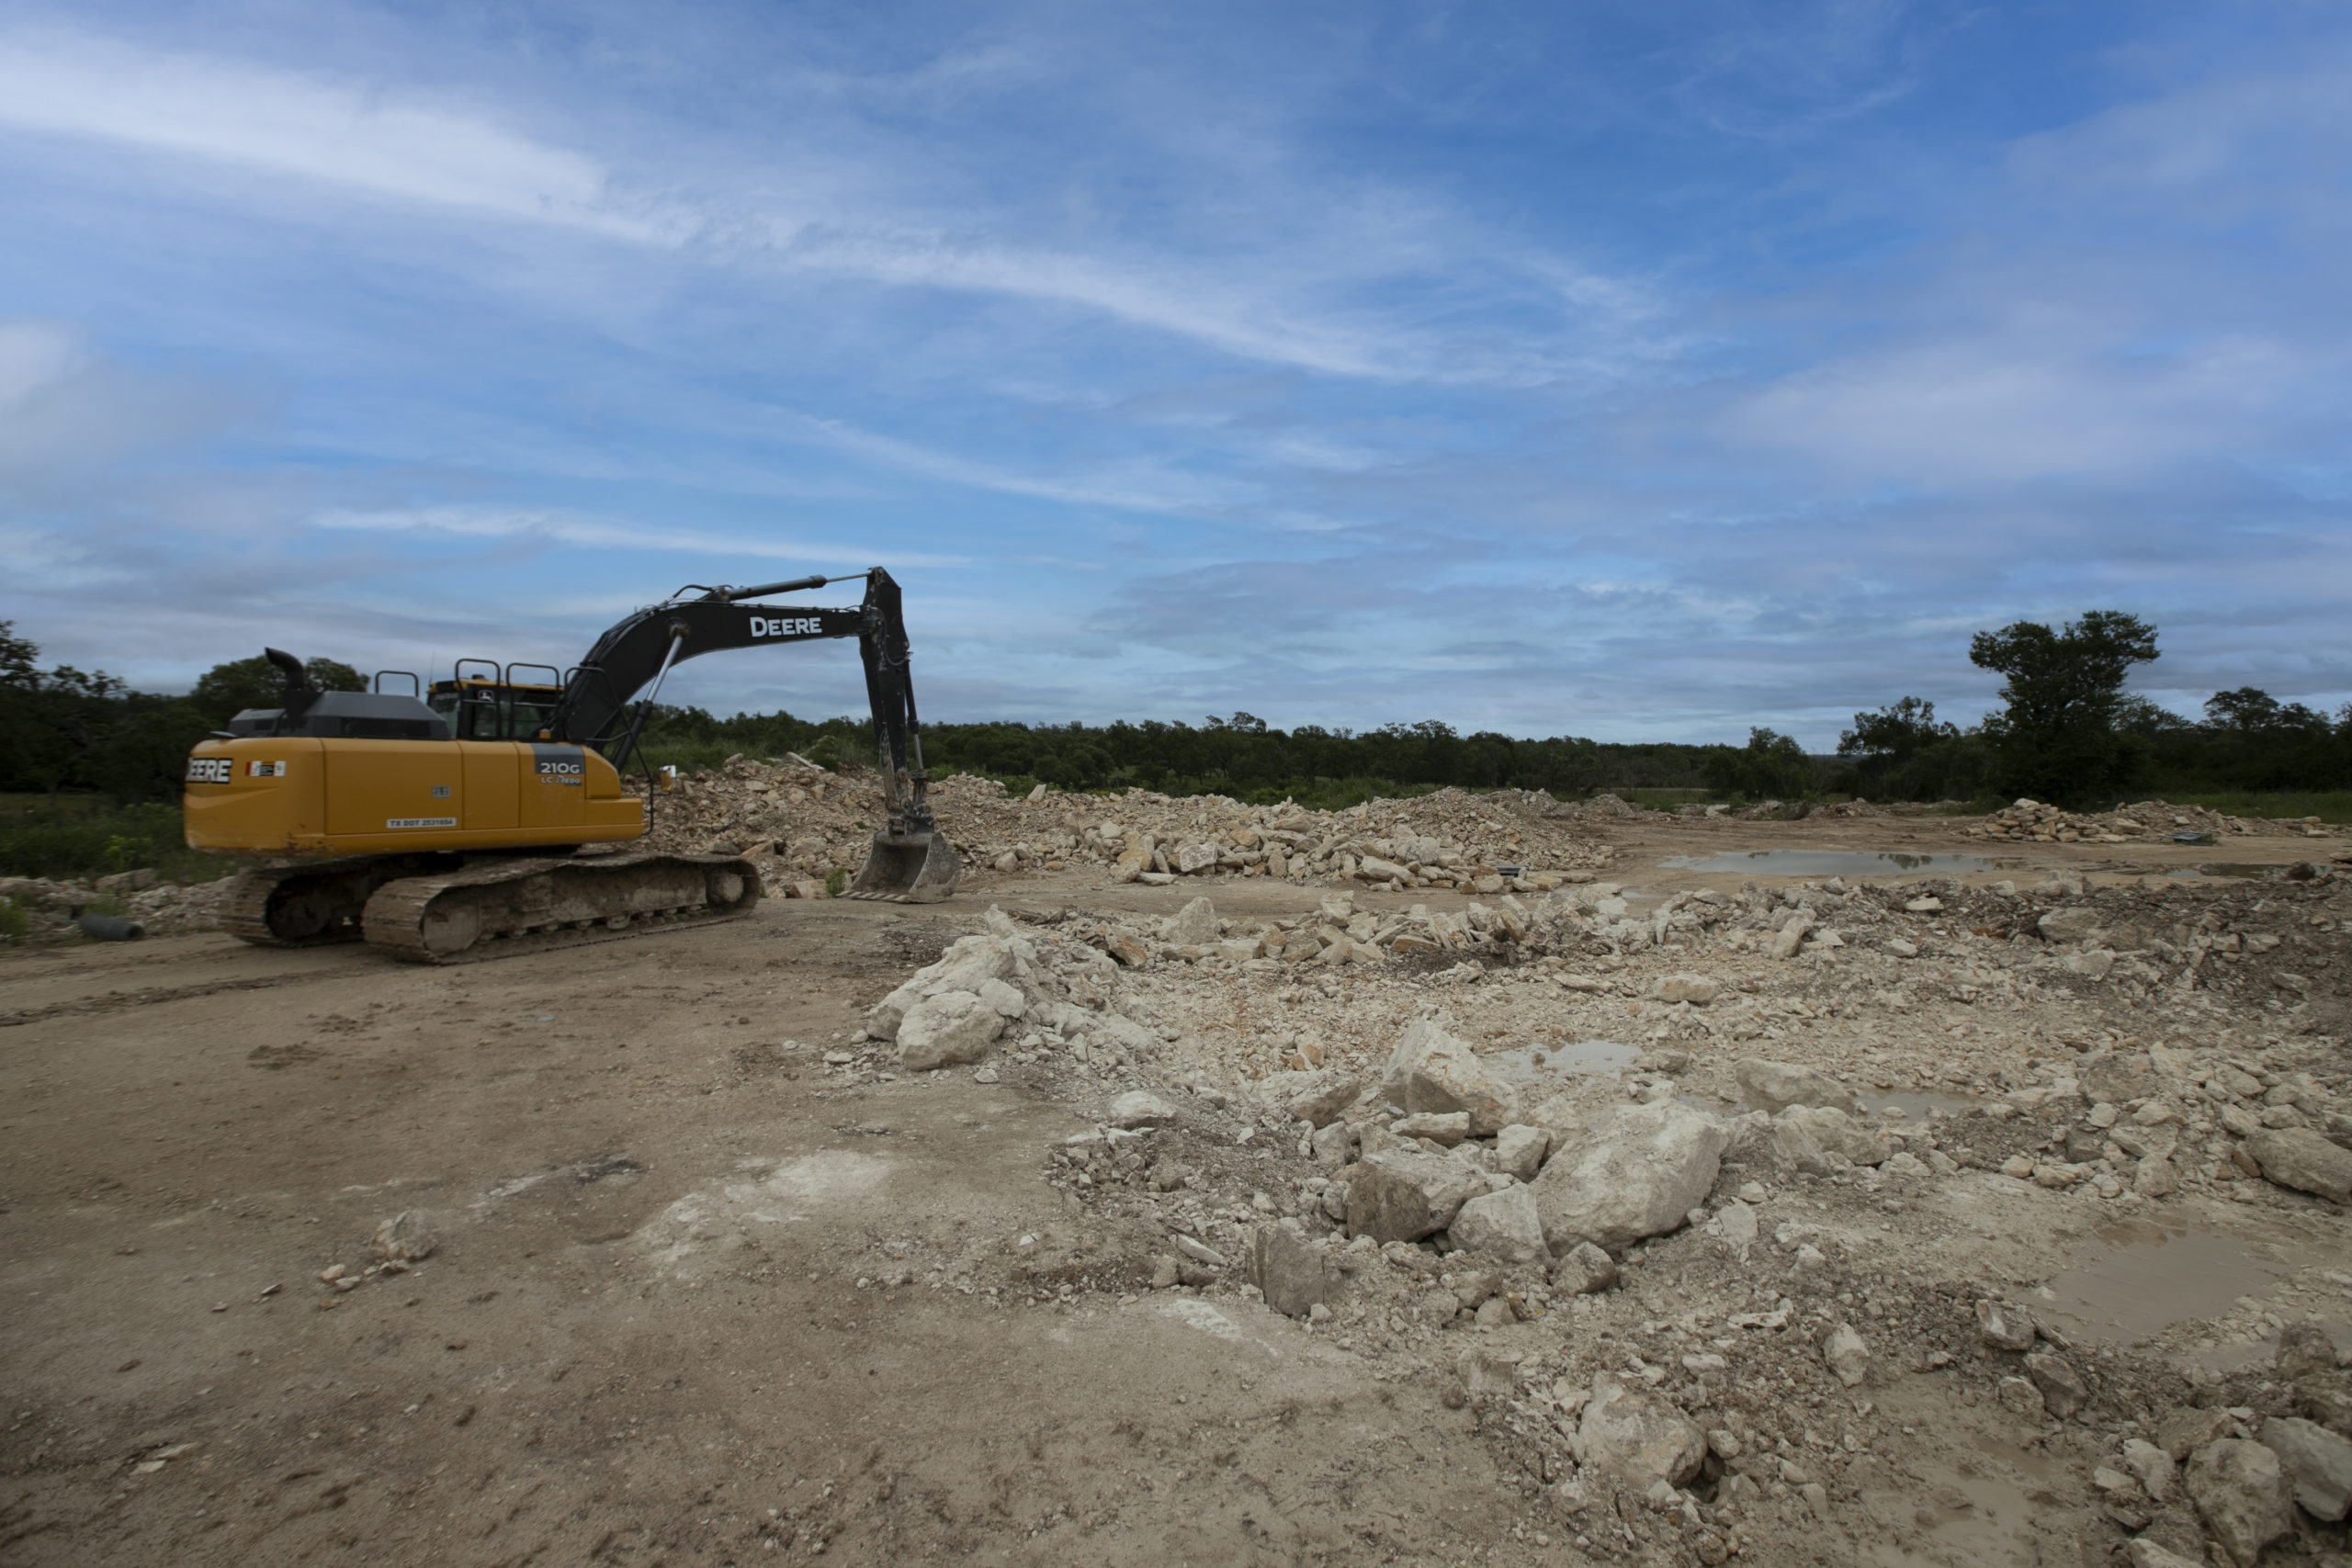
{"x": 1631, "y": 371}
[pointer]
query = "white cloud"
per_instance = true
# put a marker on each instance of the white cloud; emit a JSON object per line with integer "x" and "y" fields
{"x": 497, "y": 523}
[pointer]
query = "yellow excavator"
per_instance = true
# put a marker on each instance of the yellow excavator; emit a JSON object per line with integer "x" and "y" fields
{"x": 481, "y": 817}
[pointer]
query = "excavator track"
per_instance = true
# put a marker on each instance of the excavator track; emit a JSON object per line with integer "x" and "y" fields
{"x": 316, "y": 904}
{"x": 508, "y": 908}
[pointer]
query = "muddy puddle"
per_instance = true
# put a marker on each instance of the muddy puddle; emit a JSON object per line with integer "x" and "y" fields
{"x": 2150, "y": 1274}
{"x": 1827, "y": 863}
{"x": 1546, "y": 1064}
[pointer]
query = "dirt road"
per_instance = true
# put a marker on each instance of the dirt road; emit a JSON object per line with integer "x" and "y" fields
{"x": 700, "y": 1296}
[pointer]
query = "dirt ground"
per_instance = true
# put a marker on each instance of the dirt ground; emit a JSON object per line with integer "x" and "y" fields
{"x": 700, "y": 1298}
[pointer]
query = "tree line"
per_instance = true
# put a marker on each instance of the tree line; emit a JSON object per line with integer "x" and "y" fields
{"x": 2067, "y": 731}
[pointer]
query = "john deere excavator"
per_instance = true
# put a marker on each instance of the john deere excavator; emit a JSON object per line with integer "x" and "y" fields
{"x": 449, "y": 829}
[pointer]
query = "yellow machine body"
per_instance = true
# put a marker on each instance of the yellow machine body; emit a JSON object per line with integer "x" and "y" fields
{"x": 307, "y": 796}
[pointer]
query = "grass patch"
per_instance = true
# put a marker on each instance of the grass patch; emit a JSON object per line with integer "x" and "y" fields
{"x": 74, "y": 838}
{"x": 2328, "y": 806}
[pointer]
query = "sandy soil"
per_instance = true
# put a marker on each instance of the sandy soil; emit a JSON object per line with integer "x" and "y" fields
{"x": 699, "y": 1299}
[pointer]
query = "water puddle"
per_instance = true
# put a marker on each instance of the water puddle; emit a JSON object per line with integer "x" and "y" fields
{"x": 1546, "y": 1064}
{"x": 1827, "y": 863}
{"x": 2152, "y": 1274}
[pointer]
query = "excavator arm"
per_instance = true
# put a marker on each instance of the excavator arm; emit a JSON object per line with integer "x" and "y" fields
{"x": 910, "y": 858}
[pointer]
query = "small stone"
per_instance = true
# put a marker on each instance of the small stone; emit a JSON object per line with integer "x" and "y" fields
{"x": 1335, "y": 1145}
{"x": 1847, "y": 1355}
{"x": 1638, "y": 1438}
{"x": 941, "y": 1031}
{"x": 1752, "y": 1193}
{"x": 2006, "y": 1327}
{"x": 403, "y": 1237}
{"x": 1930, "y": 906}
{"x": 2063, "y": 1389}
{"x": 1198, "y": 1251}
{"x": 1448, "y": 1128}
{"x": 2184, "y": 1432}
{"x": 2018, "y": 1165}
{"x": 2242, "y": 1494}
{"x": 1696, "y": 989}
{"x": 1738, "y": 1224}
{"x": 2150, "y": 1466}
{"x": 2018, "y": 1396}
{"x": 1485, "y": 1370}
{"x": 2147, "y": 1554}
{"x": 1901, "y": 948}
{"x": 2155, "y": 1178}
{"x": 1163, "y": 1272}
{"x": 1586, "y": 1270}
{"x": 1139, "y": 1108}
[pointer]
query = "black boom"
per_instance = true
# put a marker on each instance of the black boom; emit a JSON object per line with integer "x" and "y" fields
{"x": 638, "y": 651}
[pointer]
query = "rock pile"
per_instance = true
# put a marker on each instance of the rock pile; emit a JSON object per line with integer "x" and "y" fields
{"x": 803, "y": 822}
{"x": 157, "y": 908}
{"x": 2149, "y": 821}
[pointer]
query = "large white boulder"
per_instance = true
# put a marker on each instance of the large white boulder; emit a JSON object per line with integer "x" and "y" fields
{"x": 954, "y": 1026}
{"x": 1775, "y": 1086}
{"x": 1629, "y": 1172}
{"x": 1399, "y": 1195}
{"x": 1501, "y": 1226}
{"x": 1433, "y": 1070}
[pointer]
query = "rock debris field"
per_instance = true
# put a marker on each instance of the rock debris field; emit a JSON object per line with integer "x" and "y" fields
{"x": 1471, "y": 1179}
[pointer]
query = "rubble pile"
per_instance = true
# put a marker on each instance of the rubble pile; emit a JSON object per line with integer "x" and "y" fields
{"x": 2147, "y": 822}
{"x": 1631, "y": 1179}
{"x": 52, "y": 909}
{"x": 803, "y": 823}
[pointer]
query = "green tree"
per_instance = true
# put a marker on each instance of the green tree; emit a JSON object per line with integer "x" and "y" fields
{"x": 2058, "y": 739}
{"x": 1771, "y": 765}
{"x": 1903, "y": 752}
{"x": 227, "y": 690}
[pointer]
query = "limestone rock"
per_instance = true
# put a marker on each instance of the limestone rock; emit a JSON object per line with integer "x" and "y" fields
{"x": 1318, "y": 1097}
{"x": 2243, "y": 1493}
{"x": 1696, "y": 989}
{"x": 1501, "y": 1226}
{"x": 2184, "y": 1432}
{"x": 1804, "y": 1137}
{"x": 2147, "y": 1554}
{"x": 1140, "y": 1108}
{"x": 1847, "y": 1355}
{"x": 1585, "y": 1271}
{"x": 1399, "y": 1195}
{"x": 2318, "y": 1465}
{"x": 1433, "y": 1070}
{"x": 1447, "y": 1127}
{"x": 1334, "y": 1144}
{"x": 1630, "y": 1171}
{"x": 403, "y": 1238}
{"x": 2071, "y": 924}
{"x": 1288, "y": 1271}
{"x": 939, "y": 1030}
{"x": 2006, "y": 1327}
{"x": 1737, "y": 1222}
{"x": 1637, "y": 1438}
{"x": 1775, "y": 1086}
{"x": 1193, "y": 926}
{"x": 2155, "y": 1178}
{"x": 1520, "y": 1150}
{"x": 2063, "y": 1389}
{"x": 966, "y": 966}
{"x": 2150, "y": 1466}
{"x": 2300, "y": 1158}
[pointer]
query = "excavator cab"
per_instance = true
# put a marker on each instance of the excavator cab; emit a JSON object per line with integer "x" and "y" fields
{"x": 488, "y": 703}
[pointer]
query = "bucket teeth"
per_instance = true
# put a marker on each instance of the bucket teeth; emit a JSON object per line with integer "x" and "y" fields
{"x": 912, "y": 868}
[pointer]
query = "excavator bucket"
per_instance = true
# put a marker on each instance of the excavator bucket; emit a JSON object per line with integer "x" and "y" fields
{"x": 911, "y": 868}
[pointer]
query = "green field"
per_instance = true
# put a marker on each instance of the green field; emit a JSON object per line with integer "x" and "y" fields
{"x": 2328, "y": 806}
{"x": 76, "y": 837}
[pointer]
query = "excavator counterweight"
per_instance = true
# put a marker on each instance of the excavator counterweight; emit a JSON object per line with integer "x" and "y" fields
{"x": 493, "y": 820}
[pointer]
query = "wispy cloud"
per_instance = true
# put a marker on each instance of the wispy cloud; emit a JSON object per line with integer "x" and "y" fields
{"x": 498, "y": 523}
